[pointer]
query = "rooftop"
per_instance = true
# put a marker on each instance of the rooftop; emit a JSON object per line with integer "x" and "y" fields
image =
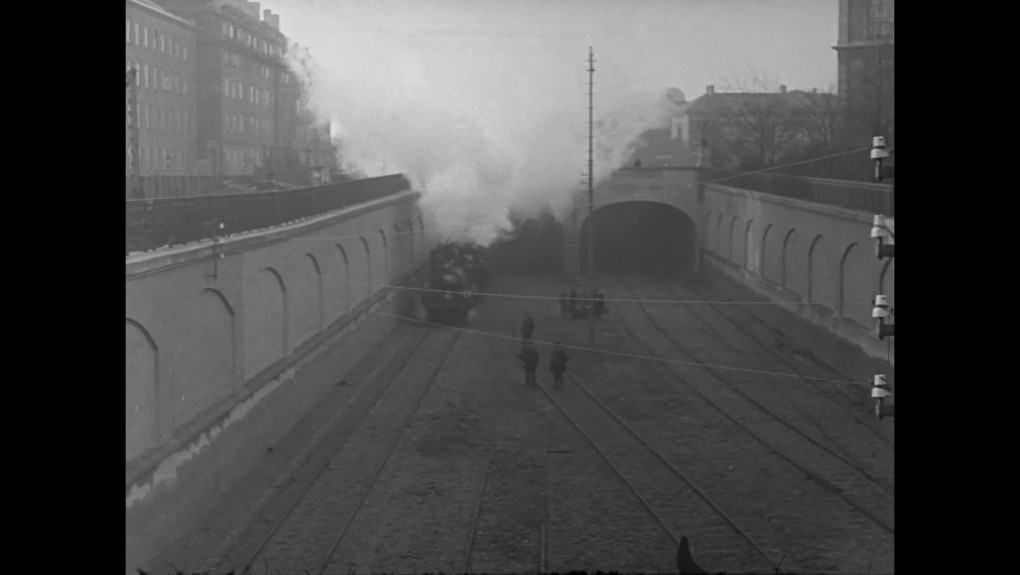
{"x": 714, "y": 101}
{"x": 153, "y": 7}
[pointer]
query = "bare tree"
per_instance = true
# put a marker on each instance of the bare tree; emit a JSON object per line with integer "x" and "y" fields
{"x": 819, "y": 116}
{"x": 761, "y": 120}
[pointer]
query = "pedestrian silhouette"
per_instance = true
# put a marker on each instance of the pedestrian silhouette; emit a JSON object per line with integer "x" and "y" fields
{"x": 529, "y": 355}
{"x": 558, "y": 364}
{"x": 527, "y": 328}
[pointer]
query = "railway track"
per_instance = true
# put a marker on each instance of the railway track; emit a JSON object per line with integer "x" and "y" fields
{"x": 668, "y": 495}
{"x": 807, "y": 369}
{"x": 820, "y": 464}
{"x": 477, "y": 515}
{"x": 760, "y": 397}
{"x": 778, "y": 389}
{"x": 834, "y": 418}
{"x": 295, "y": 510}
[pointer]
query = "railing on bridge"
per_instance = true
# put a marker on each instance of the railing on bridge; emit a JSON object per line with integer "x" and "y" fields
{"x": 157, "y": 223}
{"x": 860, "y": 196}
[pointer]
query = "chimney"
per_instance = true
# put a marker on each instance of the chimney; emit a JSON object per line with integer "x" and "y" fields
{"x": 271, "y": 19}
{"x": 710, "y": 90}
{"x": 782, "y": 88}
{"x": 814, "y": 90}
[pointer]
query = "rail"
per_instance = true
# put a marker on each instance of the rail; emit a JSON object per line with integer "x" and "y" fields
{"x": 156, "y": 223}
{"x": 859, "y": 196}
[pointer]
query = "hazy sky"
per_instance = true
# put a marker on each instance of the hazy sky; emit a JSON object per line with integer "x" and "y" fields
{"x": 483, "y": 103}
{"x": 684, "y": 43}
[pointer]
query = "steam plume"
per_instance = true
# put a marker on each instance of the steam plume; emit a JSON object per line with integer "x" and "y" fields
{"x": 482, "y": 125}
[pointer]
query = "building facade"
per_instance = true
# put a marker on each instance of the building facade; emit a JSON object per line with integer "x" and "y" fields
{"x": 160, "y": 46}
{"x": 240, "y": 59}
{"x": 866, "y": 57}
{"x": 753, "y": 130}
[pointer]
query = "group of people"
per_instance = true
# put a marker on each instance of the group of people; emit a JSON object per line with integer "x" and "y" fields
{"x": 572, "y": 308}
{"x": 529, "y": 355}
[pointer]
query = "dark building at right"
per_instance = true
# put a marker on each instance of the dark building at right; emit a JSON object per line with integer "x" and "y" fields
{"x": 866, "y": 57}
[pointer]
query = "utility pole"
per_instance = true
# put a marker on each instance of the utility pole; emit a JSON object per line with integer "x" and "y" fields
{"x": 591, "y": 191}
{"x": 132, "y": 89}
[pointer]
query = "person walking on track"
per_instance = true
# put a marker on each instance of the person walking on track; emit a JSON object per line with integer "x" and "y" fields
{"x": 529, "y": 355}
{"x": 527, "y": 328}
{"x": 558, "y": 364}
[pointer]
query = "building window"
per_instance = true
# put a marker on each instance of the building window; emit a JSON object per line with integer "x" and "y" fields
{"x": 257, "y": 96}
{"x": 240, "y": 124}
{"x": 177, "y": 120}
{"x": 145, "y": 157}
{"x": 145, "y": 72}
{"x": 251, "y": 93}
{"x": 162, "y": 43}
{"x": 226, "y": 86}
{"x": 177, "y": 85}
{"x": 184, "y": 87}
{"x": 143, "y": 120}
{"x": 145, "y": 36}
{"x": 129, "y": 31}
{"x": 184, "y": 53}
{"x": 177, "y": 48}
{"x": 162, "y": 119}
{"x": 138, "y": 76}
{"x": 136, "y": 35}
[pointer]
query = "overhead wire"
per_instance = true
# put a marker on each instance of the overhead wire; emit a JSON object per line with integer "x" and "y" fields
{"x": 585, "y": 299}
{"x": 622, "y": 354}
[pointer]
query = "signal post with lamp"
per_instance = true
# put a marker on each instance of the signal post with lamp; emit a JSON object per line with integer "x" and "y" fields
{"x": 880, "y": 390}
{"x": 882, "y": 233}
{"x": 883, "y": 312}
{"x": 878, "y": 153}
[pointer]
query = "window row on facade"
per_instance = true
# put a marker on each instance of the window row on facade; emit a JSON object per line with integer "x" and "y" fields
{"x": 238, "y": 157}
{"x": 240, "y": 124}
{"x": 252, "y": 41}
{"x": 234, "y": 89}
{"x": 150, "y": 37}
{"x": 161, "y": 158}
{"x": 165, "y": 119}
{"x": 156, "y": 78}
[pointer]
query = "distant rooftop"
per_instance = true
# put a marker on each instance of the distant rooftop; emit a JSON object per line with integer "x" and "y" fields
{"x": 712, "y": 101}
{"x": 150, "y": 5}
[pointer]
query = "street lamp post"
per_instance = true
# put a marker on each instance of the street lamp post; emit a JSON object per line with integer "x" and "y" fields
{"x": 591, "y": 193}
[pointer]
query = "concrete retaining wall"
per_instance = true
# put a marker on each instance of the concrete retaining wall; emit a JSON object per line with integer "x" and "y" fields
{"x": 819, "y": 261}
{"x": 229, "y": 344}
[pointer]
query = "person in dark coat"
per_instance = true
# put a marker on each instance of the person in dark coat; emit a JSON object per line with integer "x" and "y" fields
{"x": 527, "y": 328}
{"x": 529, "y": 355}
{"x": 558, "y": 364}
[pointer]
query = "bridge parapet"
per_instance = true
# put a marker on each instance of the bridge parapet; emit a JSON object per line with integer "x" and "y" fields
{"x": 858, "y": 196}
{"x": 152, "y": 224}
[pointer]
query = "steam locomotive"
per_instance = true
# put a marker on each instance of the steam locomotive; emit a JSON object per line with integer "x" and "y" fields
{"x": 456, "y": 273}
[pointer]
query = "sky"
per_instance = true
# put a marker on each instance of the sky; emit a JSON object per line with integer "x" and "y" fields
{"x": 483, "y": 103}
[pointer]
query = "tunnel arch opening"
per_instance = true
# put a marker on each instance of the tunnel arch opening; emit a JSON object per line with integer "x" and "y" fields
{"x": 647, "y": 238}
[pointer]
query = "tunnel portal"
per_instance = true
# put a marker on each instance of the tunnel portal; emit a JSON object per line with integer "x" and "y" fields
{"x": 646, "y": 238}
